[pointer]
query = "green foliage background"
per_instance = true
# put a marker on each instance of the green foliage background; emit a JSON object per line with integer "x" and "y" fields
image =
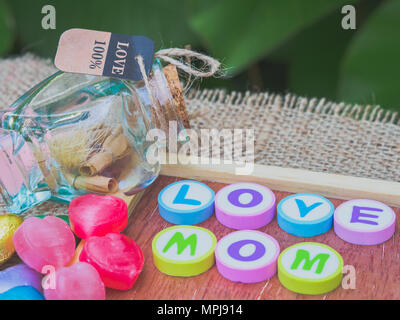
{"x": 279, "y": 45}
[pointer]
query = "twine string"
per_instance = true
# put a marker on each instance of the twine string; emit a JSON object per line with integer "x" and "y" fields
{"x": 168, "y": 54}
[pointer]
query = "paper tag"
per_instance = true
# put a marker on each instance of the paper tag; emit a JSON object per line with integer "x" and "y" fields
{"x": 103, "y": 53}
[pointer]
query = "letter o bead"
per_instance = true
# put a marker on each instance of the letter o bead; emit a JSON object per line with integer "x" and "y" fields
{"x": 310, "y": 268}
{"x": 184, "y": 250}
{"x": 244, "y": 206}
{"x": 247, "y": 256}
{"x": 364, "y": 222}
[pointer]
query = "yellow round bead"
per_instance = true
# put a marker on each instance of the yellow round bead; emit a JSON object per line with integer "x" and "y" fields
{"x": 310, "y": 268}
{"x": 184, "y": 250}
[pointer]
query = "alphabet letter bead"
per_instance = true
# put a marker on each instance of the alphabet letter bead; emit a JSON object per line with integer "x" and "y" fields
{"x": 186, "y": 202}
{"x": 247, "y": 256}
{"x": 365, "y": 222}
{"x": 305, "y": 214}
{"x": 245, "y": 206}
{"x": 184, "y": 250}
{"x": 310, "y": 268}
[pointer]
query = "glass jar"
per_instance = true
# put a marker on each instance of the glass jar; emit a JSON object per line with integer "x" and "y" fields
{"x": 73, "y": 134}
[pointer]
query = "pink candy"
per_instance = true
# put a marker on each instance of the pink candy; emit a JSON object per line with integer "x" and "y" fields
{"x": 108, "y": 258}
{"x": 44, "y": 242}
{"x": 80, "y": 281}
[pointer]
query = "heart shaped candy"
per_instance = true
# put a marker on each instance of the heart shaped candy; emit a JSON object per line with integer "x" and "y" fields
{"x": 22, "y": 293}
{"x": 44, "y": 242}
{"x": 117, "y": 258}
{"x": 19, "y": 275}
{"x": 8, "y": 224}
{"x": 95, "y": 215}
{"x": 80, "y": 281}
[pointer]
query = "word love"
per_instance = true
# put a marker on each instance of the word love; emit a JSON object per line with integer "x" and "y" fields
{"x": 247, "y": 206}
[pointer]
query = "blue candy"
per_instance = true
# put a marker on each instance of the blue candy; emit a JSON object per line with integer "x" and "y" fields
{"x": 22, "y": 293}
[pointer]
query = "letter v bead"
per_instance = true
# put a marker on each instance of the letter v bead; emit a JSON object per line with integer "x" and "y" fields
{"x": 305, "y": 214}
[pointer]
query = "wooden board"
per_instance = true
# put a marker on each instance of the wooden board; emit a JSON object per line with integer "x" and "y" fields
{"x": 288, "y": 180}
{"x": 377, "y": 267}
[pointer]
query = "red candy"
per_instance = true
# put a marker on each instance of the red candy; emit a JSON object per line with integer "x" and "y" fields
{"x": 117, "y": 258}
{"x": 95, "y": 215}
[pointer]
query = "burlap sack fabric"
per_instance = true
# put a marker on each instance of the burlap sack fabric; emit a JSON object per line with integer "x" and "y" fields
{"x": 290, "y": 131}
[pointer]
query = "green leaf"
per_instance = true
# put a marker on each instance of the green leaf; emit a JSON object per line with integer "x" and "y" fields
{"x": 6, "y": 28}
{"x": 314, "y": 56}
{"x": 371, "y": 68}
{"x": 163, "y": 21}
{"x": 242, "y": 32}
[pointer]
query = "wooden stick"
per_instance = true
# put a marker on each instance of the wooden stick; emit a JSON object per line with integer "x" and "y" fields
{"x": 290, "y": 180}
{"x": 172, "y": 77}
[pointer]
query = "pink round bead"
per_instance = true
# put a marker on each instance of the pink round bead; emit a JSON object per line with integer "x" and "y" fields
{"x": 247, "y": 256}
{"x": 245, "y": 206}
{"x": 364, "y": 222}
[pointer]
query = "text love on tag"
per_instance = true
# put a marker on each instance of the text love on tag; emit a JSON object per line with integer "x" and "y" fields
{"x": 103, "y": 53}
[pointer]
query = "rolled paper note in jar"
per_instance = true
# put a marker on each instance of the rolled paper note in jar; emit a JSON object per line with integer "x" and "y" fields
{"x": 97, "y": 184}
{"x": 47, "y": 174}
{"x": 96, "y": 163}
{"x": 72, "y": 149}
{"x": 115, "y": 147}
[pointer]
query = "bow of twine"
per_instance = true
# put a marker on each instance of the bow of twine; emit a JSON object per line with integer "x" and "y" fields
{"x": 168, "y": 56}
{"x": 210, "y": 68}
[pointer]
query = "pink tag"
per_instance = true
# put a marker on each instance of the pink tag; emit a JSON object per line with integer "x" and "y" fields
{"x": 103, "y": 53}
